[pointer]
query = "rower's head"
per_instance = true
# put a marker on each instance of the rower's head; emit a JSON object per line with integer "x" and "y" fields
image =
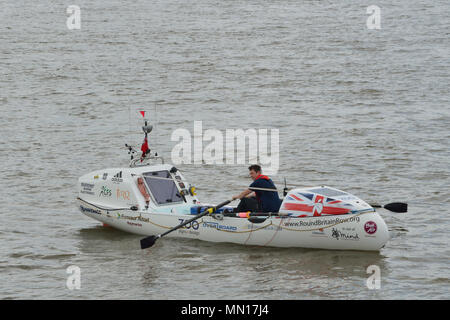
{"x": 254, "y": 171}
{"x": 140, "y": 181}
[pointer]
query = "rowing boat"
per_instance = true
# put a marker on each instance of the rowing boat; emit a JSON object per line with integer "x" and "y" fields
{"x": 320, "y": 217}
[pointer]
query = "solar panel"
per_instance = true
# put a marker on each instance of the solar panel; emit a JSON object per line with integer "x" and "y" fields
{"x": 328, "y": 192}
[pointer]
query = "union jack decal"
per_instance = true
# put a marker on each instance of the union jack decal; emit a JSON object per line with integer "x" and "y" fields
{"x": 310, "y": 204}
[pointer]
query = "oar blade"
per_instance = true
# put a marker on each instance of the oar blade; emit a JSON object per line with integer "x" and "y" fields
{"x": 396, "y": 207}
{"x": 148, "y": 242}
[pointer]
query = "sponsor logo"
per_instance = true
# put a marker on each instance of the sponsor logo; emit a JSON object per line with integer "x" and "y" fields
{"x": 87, "y": 185}
{"x": 123, "y": 195}
{"x": 318, "y": 233}
{"x": 370, "y": 227}
{"x": 340, "y": 235}
{"x": 217, "y": 226}
{"x": 192, "y": 232}
{"x": 117, "y": 177}
{"x": 254, "y": 226}
{"x": 194, "y": 224}
{"x": 190, "y": 228}
{"x": 140, "y": 218}
{"x": 87, "y": 188}
{"x": 105, "y": 192}
{"x": 89, "y": 210}
{"x": 318, "y": 222}
{"x": 134, "y": 224}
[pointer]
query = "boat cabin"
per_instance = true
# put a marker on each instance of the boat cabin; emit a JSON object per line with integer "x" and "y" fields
{"x": 163, "y": 186}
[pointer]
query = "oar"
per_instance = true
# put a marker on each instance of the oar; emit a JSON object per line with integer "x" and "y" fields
{"x": 256, "y": 217}
{"x": 262, "y": 189}
{"x": 150, "y": 240}
{"x": 398, "y": 207}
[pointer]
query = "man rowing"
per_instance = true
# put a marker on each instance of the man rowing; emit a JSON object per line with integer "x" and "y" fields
{"x": 266, "y": 200}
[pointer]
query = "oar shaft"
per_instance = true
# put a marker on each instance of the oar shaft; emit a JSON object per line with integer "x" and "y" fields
{"x": 150, "y": 240}
{"x": 262, "y": 189}
{"x": 255, "y": 214}
{"x": 208, "y": 211}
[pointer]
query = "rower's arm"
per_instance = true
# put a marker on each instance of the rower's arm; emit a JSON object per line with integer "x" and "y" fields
{"x": 242, "y": 194}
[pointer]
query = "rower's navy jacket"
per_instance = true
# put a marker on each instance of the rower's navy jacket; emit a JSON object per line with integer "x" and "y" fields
{"x": 268, "y": 201}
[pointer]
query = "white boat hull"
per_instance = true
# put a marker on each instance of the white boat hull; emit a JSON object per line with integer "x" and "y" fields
{"x": 359, "y": 231}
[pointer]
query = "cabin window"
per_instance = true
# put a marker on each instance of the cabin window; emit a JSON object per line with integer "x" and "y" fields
{"x": 164, "y": 191}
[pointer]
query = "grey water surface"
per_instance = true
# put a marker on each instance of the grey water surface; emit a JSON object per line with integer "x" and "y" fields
{"x": 362, "y": 110}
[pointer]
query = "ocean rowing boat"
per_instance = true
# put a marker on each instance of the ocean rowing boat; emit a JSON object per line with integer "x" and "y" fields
{"x": 320, "y": 217}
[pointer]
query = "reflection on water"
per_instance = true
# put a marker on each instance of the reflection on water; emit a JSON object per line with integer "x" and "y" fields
{"x": 193, "y": 266}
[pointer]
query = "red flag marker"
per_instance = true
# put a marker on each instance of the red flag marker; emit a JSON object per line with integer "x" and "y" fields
{"x": 143, "y": 113}
{"x": 144, "y": 146}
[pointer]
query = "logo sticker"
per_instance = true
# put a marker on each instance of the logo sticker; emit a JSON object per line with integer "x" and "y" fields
{"x": 123, "y": 195}
{"x": 370, "y": 227}
{"x": 105, "y": 192}
{"x": 117, "y": 177}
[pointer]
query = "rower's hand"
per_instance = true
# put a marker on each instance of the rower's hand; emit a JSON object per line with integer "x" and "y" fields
{"x": 235, "y": 197}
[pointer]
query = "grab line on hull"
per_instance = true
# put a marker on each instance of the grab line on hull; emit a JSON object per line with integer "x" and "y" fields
{"x": 105, "y": 209}
{"x": 140, "y": 218}
{"x": 274, "y": 234}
